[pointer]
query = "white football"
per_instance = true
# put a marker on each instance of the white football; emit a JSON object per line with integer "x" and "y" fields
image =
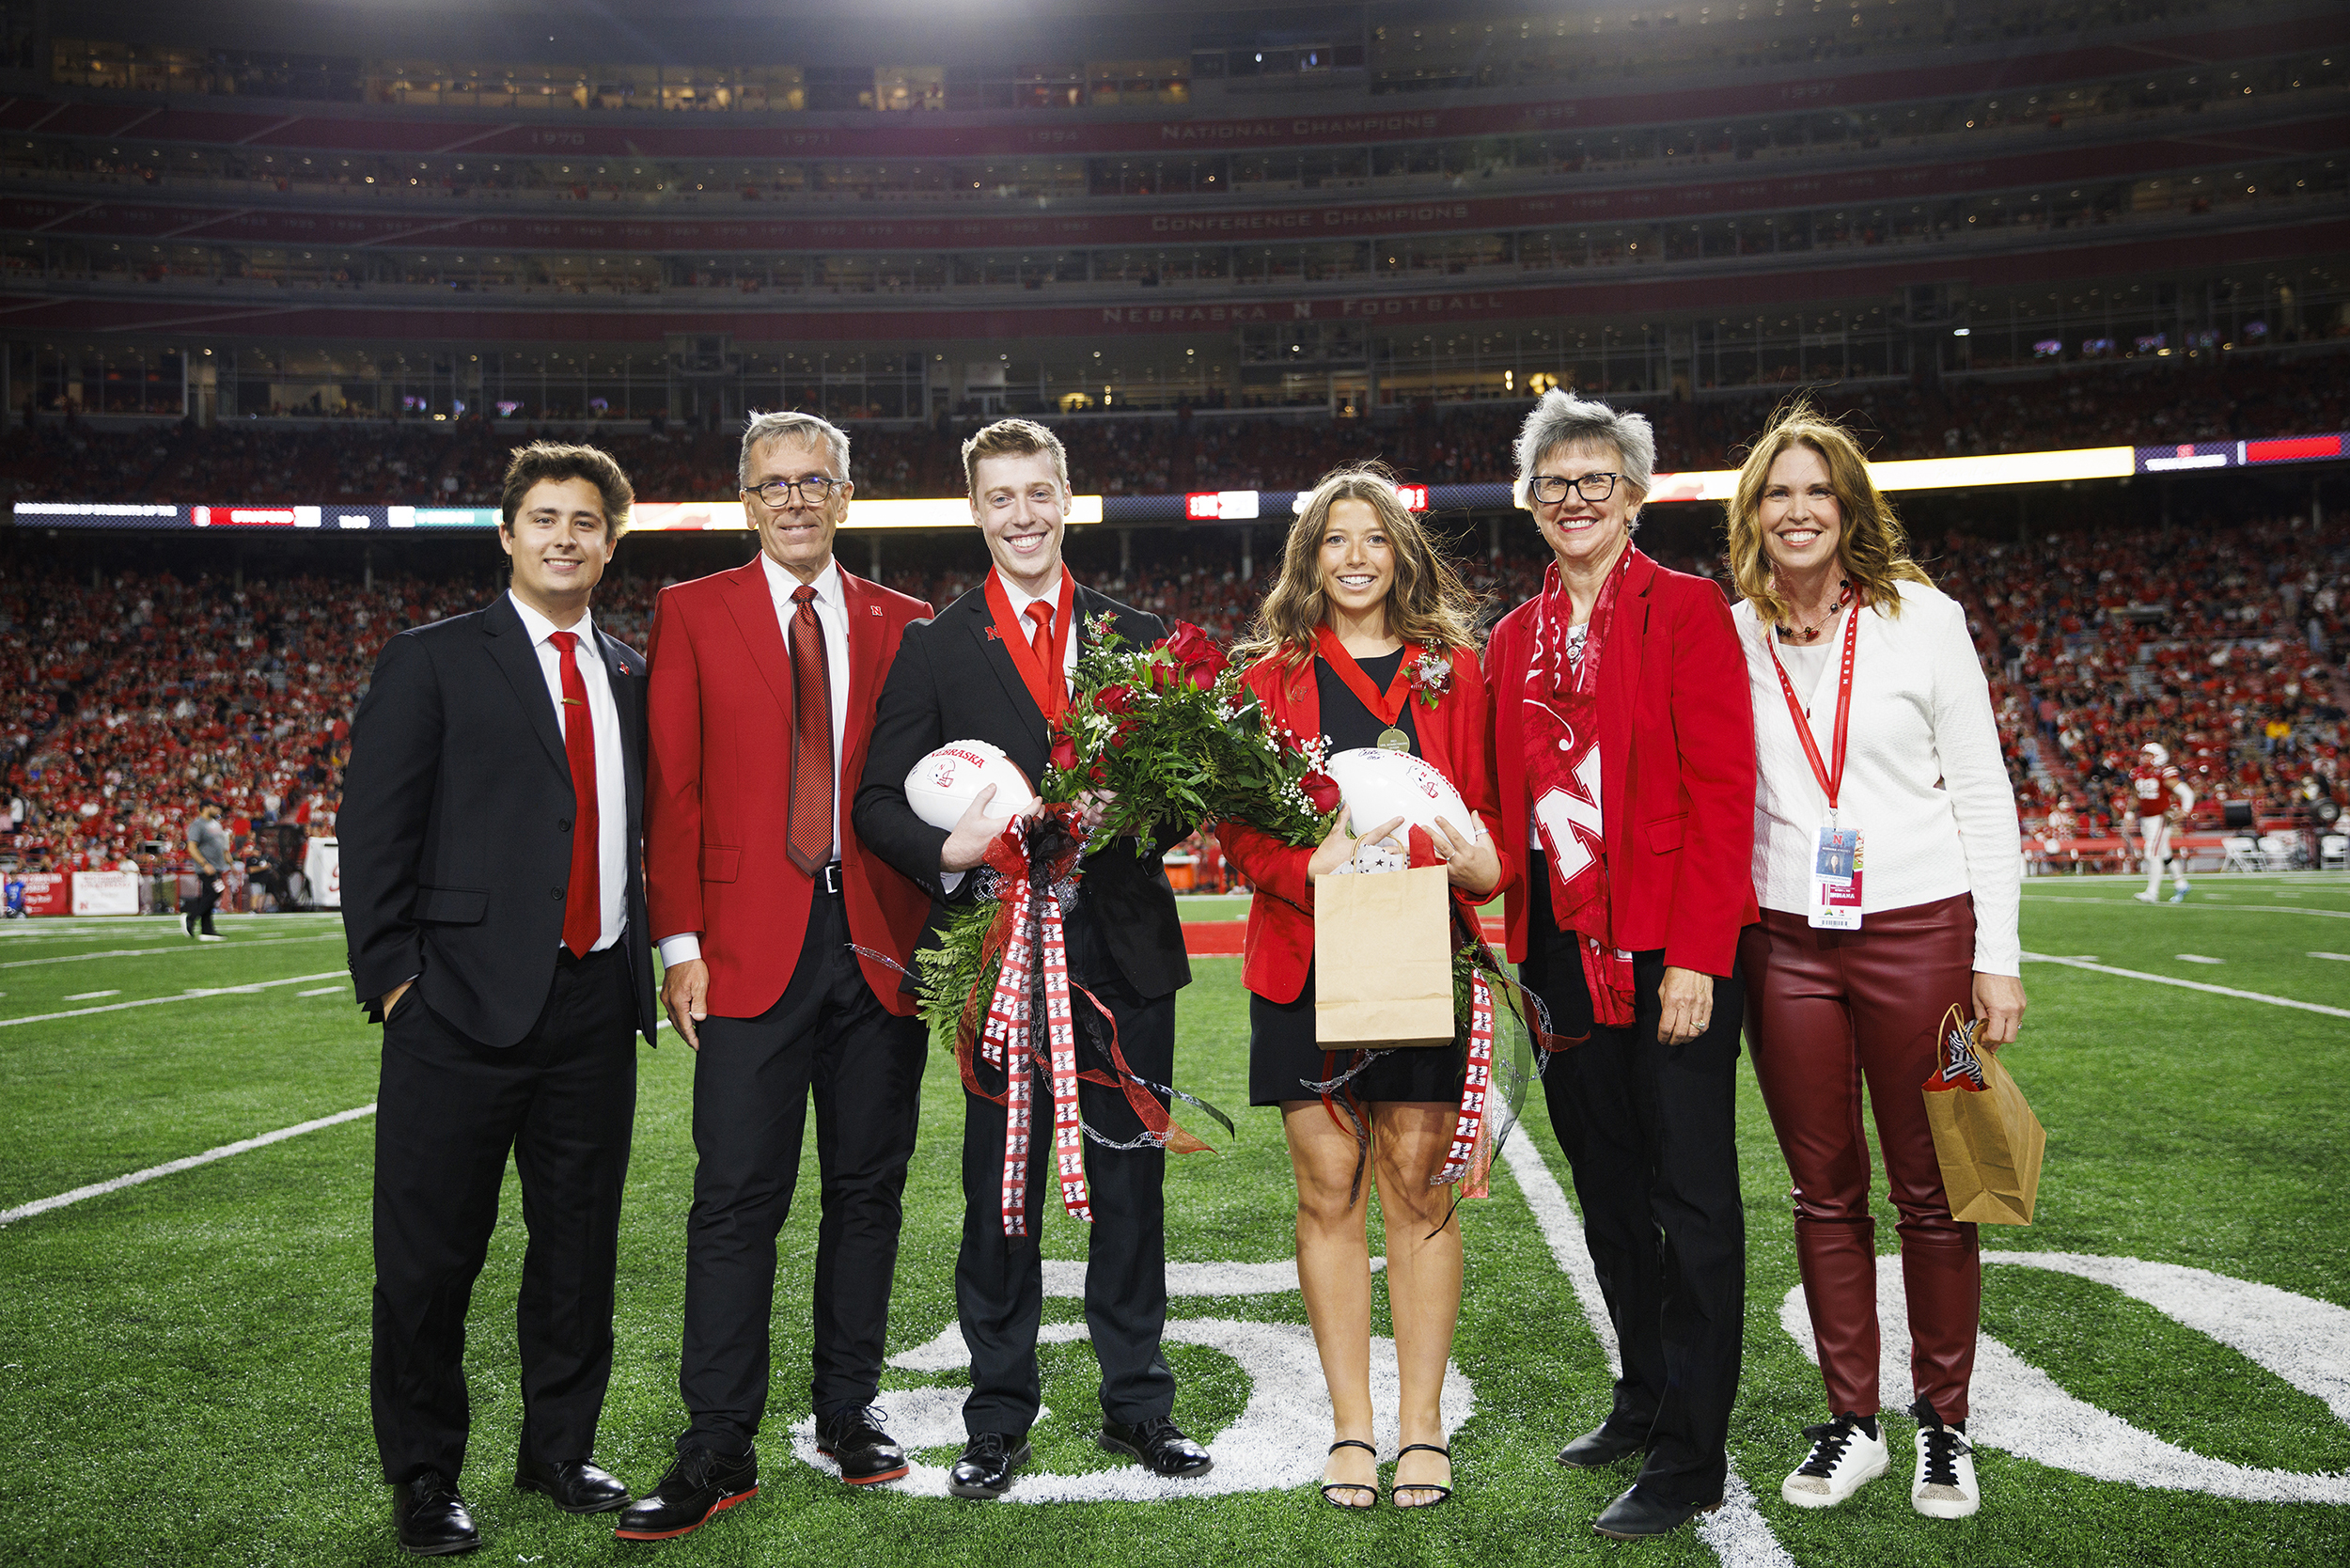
{"x": 1377, "y": 785}
{"x": 943, "y": 785}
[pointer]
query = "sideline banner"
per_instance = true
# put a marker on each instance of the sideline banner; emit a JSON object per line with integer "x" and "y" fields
{"x": 47, "y": 892}
{"x": 105, "y": 893}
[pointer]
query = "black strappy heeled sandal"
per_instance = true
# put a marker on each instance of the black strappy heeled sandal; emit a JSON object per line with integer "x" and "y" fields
{"x": 1442, "y": 1492}
{"x": 1330, "y": 1486}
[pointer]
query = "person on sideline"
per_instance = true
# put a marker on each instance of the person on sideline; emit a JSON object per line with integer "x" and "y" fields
{"x": 996, "y": 667}
{"x": 2164, "y": 799}
{"x": 1624, "y": 750}
{"x": 209, "y": 842}
{"x": 760, "y": 703}
{"x": 1362, "y": 609}
{"x": 496, "y": 915}
{"x": 1884, "y": 857}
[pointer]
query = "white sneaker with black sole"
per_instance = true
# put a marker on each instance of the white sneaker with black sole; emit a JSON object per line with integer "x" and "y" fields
{"x": 1845, "y": 1456}
{"x": 1945, "y": 1488}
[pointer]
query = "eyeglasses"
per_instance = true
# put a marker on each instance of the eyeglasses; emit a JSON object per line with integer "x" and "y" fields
{"x": 813, "y": 492}
{"x": 1549, "y": 489}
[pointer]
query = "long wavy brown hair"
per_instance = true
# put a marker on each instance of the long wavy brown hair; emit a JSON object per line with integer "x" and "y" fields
{"x": 1428, "y": 603}
{"x": 1873, "y": 547}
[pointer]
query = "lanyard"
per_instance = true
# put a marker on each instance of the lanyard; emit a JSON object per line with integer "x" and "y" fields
{"x": 1384, "y": 706}
{"x": 1831, "y": 782}
{"x": 1047, "y": 685}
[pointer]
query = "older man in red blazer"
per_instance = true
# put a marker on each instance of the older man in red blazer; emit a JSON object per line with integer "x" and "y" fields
{"x": 777, "y": 935}
{"x": 1624, "y": 749}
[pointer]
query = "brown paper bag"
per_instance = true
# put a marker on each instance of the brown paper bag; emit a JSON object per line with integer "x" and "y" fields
{"x": 1383, "y": 960}
{"x": 1986, "y": 1139}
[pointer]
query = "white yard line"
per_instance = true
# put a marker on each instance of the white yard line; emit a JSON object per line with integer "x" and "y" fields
{"x": 2191, "y": 985}
{"x": 321, "y": 991}
{"x": 99, "y": 1189}
{"x": 93, "y": 996}
{"x": 1738, "y": 1534}
{"x": 151, "y": 952}
{"x": 2226, "y": 908}
{"x": 188, "y": 996}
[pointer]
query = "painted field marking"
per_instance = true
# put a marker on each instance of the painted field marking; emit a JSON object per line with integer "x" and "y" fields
{"x": 190, "y": 995}
{"x": 2338, "y": 958}
{"x": 2191, "y": 985}
{"x": 99, "y": 1189}
{"x": 1737, "y": 1533}
{"x": 320, "y": 991}
{"x": 2231, "y": 909}
{"x": 93, "y": 996}
{"x": 2196, "y": 958}
{"x": 152, "y": 952}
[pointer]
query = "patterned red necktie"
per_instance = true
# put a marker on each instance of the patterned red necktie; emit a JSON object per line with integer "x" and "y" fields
{"x": 809, "y": 835}
{"x": 582, "y": 903}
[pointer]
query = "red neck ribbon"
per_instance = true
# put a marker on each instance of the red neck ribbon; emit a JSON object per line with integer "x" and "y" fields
{"x": 1045, "y": 683}
{"x": 1387, "y": 706}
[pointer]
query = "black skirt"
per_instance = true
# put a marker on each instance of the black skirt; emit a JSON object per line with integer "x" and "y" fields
{"x": 1283, "y": 1057}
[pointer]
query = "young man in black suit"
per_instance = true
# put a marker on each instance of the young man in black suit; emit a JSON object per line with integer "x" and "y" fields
{"x": 493, "y": 815}
{"x": 959, "y": 677}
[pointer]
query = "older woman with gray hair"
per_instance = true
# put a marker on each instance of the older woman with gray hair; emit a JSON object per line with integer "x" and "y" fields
{"x": 1624, "y": 748}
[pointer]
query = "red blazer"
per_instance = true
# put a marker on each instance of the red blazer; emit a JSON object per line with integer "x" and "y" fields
{"x": 720, "y": 715}
{"x": 1280, "y": 940}
{"x": 1676, "y": 740}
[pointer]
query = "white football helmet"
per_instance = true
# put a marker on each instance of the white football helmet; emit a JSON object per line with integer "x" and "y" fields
{"x": 2153, "y": 754}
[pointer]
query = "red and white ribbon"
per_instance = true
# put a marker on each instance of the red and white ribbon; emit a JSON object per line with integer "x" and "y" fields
{"x": 1470, "y": 1157}
{"x": 1007, "y": 1041}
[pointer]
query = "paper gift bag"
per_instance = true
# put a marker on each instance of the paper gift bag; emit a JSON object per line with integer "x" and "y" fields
{"x": 1383, "y": 960}
{"x": 1986, "y": 1137}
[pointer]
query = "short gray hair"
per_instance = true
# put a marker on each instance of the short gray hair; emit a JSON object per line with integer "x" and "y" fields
{"x": 1563, "y": 419}
{"x": 785, "y": 426}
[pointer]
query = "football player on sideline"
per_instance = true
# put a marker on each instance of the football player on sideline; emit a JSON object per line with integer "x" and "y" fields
{"x": 2164, "y": 800}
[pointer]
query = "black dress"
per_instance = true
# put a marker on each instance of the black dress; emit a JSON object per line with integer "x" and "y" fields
{"x": 1283, "y": 1056}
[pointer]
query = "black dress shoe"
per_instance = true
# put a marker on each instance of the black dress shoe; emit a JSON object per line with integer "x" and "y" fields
{"x": 699, "y": 1484}
{"x": 1598, "y": 1449}
{"x": 853, "y": 1439}
{"x": 1163, "y": 1449}
{"x": 431, "y": 1518}
{"x": 1637, "y": 1517}
{"x": 577, "y": 1485}
{"x": 986, "y": 1465}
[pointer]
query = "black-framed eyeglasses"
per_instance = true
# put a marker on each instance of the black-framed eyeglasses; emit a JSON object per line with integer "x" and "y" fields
{"x": 813, "y": 491}
{"x": 1549, "y": 489}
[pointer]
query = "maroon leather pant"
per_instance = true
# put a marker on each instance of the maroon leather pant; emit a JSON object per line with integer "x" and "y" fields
{"x": 1825, "y": 1010}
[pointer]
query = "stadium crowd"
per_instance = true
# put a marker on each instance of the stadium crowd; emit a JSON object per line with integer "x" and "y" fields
{"x": 255, "y": 461}
{"x": 132, "y": 700}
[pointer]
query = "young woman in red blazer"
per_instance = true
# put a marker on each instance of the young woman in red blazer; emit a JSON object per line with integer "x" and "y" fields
{"x": 1623, "y": 743}
{"x": 1366, "y": 639}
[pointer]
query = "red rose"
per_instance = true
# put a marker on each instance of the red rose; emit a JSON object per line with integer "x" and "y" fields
{"x": 1064, "y": 754}
{"x": 1322, "y": 789}
{"x": 1196, "y": 654}
{"x": 1114, "y": 700}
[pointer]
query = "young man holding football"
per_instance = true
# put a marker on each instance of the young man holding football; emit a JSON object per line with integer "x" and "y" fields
{"x": 996, "y": 667}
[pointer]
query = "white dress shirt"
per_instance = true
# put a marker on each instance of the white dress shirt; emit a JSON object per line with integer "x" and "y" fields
{"x": 833, "y": 616}
{"x": 1050, "y": 598}
{"x": 611, "y": 777}
{"x": 1924, "y": 777}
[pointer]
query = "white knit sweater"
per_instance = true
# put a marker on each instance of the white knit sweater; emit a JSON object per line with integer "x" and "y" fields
{"x": 1923, "y": 778}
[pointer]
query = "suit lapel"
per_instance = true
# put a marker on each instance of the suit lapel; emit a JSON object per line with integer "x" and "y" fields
{"x": 626, "y": 671}
{"x": 518, "y": 661}
{"x": 867, "y": 627}
{"x": 999, "y": 658}
{"x": 1627, "y": 649}
{"x": 754, "y": 611}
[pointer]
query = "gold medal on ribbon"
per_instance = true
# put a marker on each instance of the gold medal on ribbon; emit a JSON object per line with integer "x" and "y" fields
{"x": 1394, "y": 739}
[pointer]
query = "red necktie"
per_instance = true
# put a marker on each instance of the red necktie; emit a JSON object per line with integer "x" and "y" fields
{"x": 1040, "y": 643}
{"x": 809, "y": 836}
{"x": 583, "y": 904}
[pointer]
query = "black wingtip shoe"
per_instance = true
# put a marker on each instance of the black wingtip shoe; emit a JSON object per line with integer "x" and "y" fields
{"x": 853, "y": 1439}
{"x": 577, "y": 1485}
{"x": 1634, "y": 1517}
{"x": 1598, "y": 1449}
{"x": 698, "y": 1486}
{"x": 986, "y": 1465}
{"x": 1163, "y": 1449}
{"x": 431, "y": 1518}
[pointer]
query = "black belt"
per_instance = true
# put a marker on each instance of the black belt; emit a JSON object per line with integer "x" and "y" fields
{"x": 829, "y": 879}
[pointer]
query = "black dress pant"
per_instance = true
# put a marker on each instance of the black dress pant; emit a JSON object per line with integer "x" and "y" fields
{"x": 563, "y": 1099}
{"x": 199, "y": 913}
{"x": 1000, "y": 1279}
{"x": 752, "y": 1079}
{"x": 1649, "y": 1131}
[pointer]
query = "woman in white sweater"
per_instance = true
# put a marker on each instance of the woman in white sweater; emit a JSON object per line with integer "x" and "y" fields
{"x": 1886, "y": 863}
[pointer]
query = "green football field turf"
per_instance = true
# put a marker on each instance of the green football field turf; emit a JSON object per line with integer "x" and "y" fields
{"x": 183, "y": 1361}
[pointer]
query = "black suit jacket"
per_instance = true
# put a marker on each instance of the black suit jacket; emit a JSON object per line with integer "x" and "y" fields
{"x": 953, "y": 682}
{"x": 456, "y": 825}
